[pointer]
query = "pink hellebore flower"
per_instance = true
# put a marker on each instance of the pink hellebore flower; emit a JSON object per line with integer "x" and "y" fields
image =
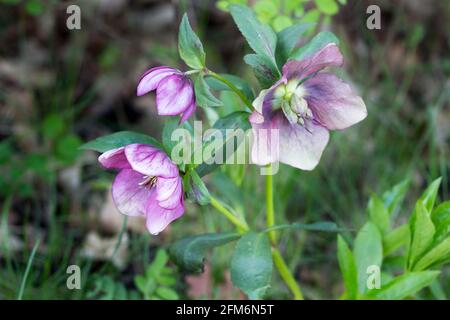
{"x": 148, "y": 184}
{"x": 303, "y": 106}
{"x": 174, "y": 91}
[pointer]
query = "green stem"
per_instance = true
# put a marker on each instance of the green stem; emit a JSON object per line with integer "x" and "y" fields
{"x": 286, "y": 274}
{"x": 242, "y": 226}
{"x": 232, "y": 87}
{"x": 280, "y": 264}
{"x": 270, "y": 214}
{"x": 27, "y": 270}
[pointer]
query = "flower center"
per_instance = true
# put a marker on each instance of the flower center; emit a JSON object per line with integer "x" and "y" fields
{"x": 148, "y": 182}
{"x": 294, "y": 105}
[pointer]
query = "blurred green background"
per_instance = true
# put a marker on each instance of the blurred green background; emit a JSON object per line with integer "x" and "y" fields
{"x": 60, "y": 87}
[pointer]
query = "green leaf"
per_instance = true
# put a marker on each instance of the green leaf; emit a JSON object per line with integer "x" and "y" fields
{"x": 53, "y": 126}
{"x": 195, "y": 188}
{"x": 67, "y": 148}
{"x": 429, "y": 196}
{"x": 170, "y": 125}
{"x": 422, "y": 233}
{"x": 203, "y": 95}
{"x": 439, "y": 251}
{"x": 265, "y": 71}
{"x": 240, "y": 83}
{"x": 348, "y": 269}
{"x": 189, "y": 252}
{"x": 378, "y": 214}
{"x": 251, "y": 265}
{"x": 261, "y": 38}
{"x": 119, "y": 139}
{"x": 324, "y": 226}
{"x": 394, "y": 197}
{"x": 321, "y": 40}
{"x": 395, "y": 239}
{"x": 233, "y": 121}
{"x": 190, "y": 46}
{"x": 329, "y": 7}
{"x": 281, "y": 22}
{"x": 441, "y": 220}
{"x": 166, "y": 293}
{"x": 368, "y": 251}
{"x": 288, "y": 39}
{"x": 405, "y": 285}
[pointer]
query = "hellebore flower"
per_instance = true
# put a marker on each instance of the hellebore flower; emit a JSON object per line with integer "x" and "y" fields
{"x": 302, "y": 107}
{"x": 148, "y": 184}
{"x": 174, "y": 91}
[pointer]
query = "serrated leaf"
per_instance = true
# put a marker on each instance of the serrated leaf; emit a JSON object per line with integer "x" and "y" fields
{"x": 394, "y": 197}
{"x": 190, "y": 46}
{"x": 429, "y": 196}
{"x": 441, "y": 220}
{"x": 395, "y": 239}
{"x": 119, "y": 139}
{"x": 189, "y": 253}
{"x": 405, "y": 285}
{"x": 321, "y": 40}
{"x": 203, "y": 95}
{"x": 348, "y": 269}
{"x": 378, "y": 214}
{"x": 261, "y": 38}
{"x": 264, "y": 69}
{"x": 368, "y": 251}
{"x": 288, "y": 38}
{"x": 436, "y": 253}
{"x": 422, "y": 233}
{"x": 233, "y": 121}
{"x": 251, "y": 265}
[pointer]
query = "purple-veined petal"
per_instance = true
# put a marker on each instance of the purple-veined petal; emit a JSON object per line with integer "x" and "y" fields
{"x": 114, "y": 159}
{"x": 174, "y": 95}
{"x": 188, "y": 112}
{"x": 158, "y": 218}
{"x": 150, "y": 161}
{"x": 151, "y": 79}
{"x": 169, "y": 192}
{"x": 129, "y": 197}
{"x": 292, "y": 144}
{"x": 326, "y": 57}
{"x": 333, "y": 102}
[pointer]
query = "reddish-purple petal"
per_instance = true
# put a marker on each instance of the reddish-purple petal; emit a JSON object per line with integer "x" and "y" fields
{"x": 129, "y": 197}
{"x": 158, "y": 218}
{"x": 188, "y": 112}
{"x": 169, "y": 192}
{"x": 150, "y": 161}
{"x": 174, "y": 95}
{"x": 152, "y": 78}
{"x": 114, "y": 159}
{"x": 333, "y": 102}
{"x": 326, "y": 57}
{"x": 265, "y": 140}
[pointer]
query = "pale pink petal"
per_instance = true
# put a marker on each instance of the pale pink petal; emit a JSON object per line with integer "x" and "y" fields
{"x": 151, "y": 79}
{"x": 169, "y": 192}
{"x": 292, "y": 144}
{"x": 326, "y": 57}
{"x": 333, "y": 102}
{"x": 174, "y": 95}
{"x": 158, "y": 218}
{"x": 114, "y": 159}
{"x": 129, "y": 197}
{"x": 150, "y": 161}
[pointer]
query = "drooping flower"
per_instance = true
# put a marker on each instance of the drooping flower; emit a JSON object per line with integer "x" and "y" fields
{"x": 174, "y": 91}
{"x": 148, "y": 184}
{"x": 302, "y": 107}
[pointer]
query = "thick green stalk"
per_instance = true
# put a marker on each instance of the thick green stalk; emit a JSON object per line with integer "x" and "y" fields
{"x": 242, "y": 226}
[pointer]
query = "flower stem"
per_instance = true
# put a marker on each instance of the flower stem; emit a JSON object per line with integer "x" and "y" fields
{"x": 286, "y": 274}
{"x": 242, "y": 226}
{"x": 231, "y": 86}
{"x": 280, "y": 264}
